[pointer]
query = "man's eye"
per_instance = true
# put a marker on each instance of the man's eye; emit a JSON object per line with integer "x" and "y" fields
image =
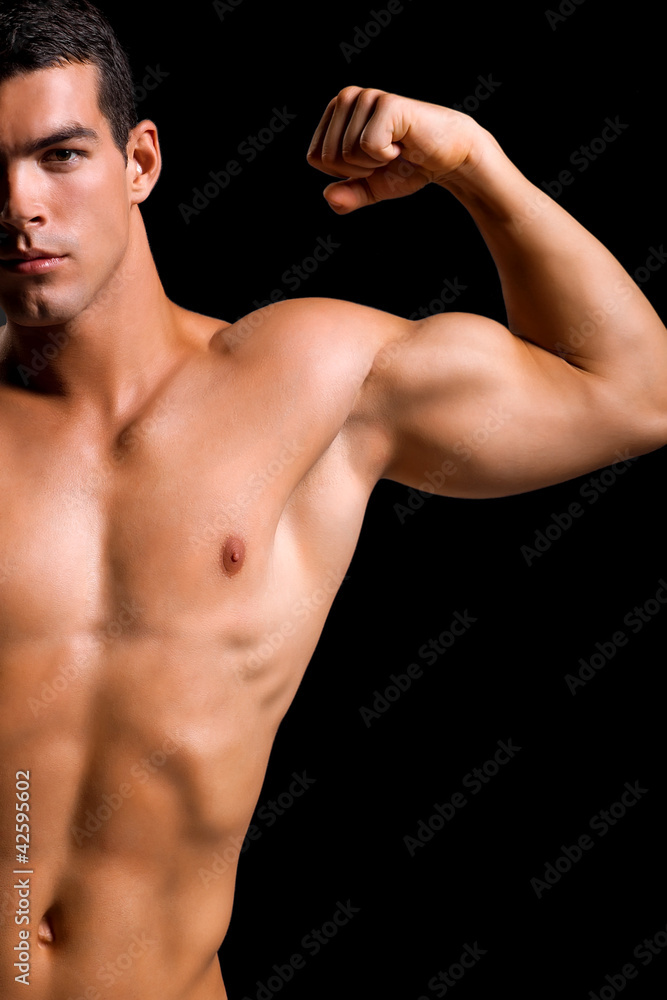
{"x": 62, "y": 155}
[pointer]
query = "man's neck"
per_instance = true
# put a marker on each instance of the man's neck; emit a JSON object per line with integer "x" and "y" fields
{"x": 110, "y": 357}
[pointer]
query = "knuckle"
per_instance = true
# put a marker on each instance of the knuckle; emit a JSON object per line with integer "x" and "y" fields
{"x": 371, "y": 97}
{"x": 386, "y": 100}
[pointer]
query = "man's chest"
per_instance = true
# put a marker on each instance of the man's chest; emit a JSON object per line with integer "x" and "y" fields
{"x": 87, "y": 523}
{"x": 174, "y": 522}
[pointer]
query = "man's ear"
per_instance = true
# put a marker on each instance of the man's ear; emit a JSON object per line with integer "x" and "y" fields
{"x": 144, "y": 161}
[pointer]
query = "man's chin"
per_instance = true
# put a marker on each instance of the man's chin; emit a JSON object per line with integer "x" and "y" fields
{"x": 38, "y": 313}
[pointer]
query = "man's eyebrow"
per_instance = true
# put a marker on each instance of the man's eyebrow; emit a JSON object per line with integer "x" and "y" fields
{"x": 65, "y": 134}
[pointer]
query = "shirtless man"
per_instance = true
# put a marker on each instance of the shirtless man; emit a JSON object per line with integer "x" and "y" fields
{"x": 182, "y": 496}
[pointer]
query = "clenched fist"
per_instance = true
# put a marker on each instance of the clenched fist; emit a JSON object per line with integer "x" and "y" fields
{"x": 387, "y": 146}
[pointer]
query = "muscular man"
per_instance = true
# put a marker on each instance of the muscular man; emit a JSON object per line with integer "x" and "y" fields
{"x": 182, "y": 495}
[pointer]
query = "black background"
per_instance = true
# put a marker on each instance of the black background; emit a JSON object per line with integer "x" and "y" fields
{"x": 554, "y": 86}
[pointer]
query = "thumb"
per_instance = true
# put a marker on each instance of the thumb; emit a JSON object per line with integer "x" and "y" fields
{"x": 347, "y": 196}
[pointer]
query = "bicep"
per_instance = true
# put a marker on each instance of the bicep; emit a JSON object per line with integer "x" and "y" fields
{"x": 471, "y": 410}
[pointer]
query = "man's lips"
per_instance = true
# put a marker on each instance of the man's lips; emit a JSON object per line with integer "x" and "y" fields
{"x": 30, "y": 261}
{"x": 13, "y": 255}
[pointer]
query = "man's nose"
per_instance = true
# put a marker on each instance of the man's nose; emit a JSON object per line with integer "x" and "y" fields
{"x": 21, "y": 199}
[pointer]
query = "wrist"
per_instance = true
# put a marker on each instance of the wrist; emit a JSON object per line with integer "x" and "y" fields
{"x": 490, "y": 186}
{"x": 446, "y": 146}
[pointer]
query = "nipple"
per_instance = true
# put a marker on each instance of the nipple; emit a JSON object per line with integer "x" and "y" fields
{"x": 233, "y": 554}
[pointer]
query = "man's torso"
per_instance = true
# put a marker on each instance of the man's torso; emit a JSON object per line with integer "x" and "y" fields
{"x": 161, "y": 593}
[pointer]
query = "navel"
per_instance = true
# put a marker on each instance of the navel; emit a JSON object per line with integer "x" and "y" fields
{"x": 233, "y": 555}
{"x": 45, "y": 931}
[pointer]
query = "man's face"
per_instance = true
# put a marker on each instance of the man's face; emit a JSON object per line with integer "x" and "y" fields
{"x": 63, "y": 191}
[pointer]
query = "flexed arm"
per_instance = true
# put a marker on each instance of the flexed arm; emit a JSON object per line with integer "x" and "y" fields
{"x": 580, "y": 372}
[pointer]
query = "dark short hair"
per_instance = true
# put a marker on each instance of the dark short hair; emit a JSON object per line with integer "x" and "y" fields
{"x": 39, "y": 34}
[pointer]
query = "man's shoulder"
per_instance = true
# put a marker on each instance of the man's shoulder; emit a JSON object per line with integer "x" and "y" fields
{"x": 292, "y": 328}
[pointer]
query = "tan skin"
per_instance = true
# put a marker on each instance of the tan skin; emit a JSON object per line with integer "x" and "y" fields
{"x": 181, "y": 497}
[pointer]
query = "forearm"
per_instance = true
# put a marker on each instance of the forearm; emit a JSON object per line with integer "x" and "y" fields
{"x": 563, "y": 290}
